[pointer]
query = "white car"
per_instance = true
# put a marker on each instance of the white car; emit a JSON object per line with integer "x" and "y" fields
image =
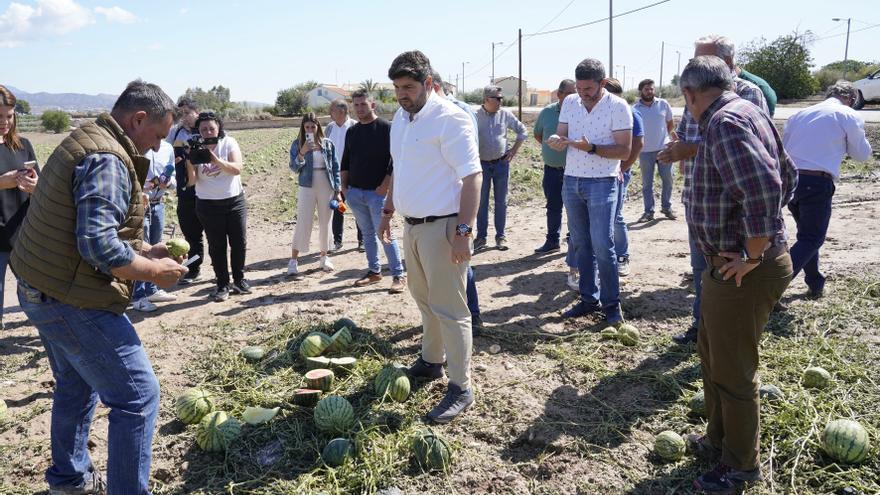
{"x": 869, "y": 90}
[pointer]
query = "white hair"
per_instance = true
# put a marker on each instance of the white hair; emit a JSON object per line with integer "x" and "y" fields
{"x": 724, "y": 47}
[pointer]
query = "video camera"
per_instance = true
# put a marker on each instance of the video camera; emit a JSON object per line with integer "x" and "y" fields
{"x": 198, "y": 151}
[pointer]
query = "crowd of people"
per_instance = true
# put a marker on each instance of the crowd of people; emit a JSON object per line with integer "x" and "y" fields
{"x": 83, "y": 234}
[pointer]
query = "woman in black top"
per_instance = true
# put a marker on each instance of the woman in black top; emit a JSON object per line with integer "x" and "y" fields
{"x": 18, "y": 177}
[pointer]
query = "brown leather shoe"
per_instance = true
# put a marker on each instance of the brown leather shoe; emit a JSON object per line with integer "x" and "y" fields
{"x": 398, "y": 285}
{"x": 369, "y": 279}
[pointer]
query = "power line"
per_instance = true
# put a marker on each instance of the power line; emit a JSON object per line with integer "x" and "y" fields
{"x": 598, "y": 20}
{"x": 851, "y": 32}
{"x": 551, "y": 20}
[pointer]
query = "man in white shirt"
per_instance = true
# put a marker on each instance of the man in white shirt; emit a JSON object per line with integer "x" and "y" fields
{"x": 336, "y": 130}
{"x": 817, "y": 138}
{"x": 435, "y": 187}
{"x": 657, "y": 119}
{"x": 596, "y": 128}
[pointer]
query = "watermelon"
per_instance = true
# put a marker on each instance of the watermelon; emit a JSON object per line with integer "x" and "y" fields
{"x": 340, "y": 340}
{"x": 816, "y": 377}
{"x": 3, "y": 409}
{"x": 314, "y": 344}
{"x": 334, "y": 415}
{"x": 399, "y": 388}
{"x": 306, "y": 397}
{"x": 628, "y": 334}
{"x": 216, "y": 431}
{"x": 669, "y": 445}
{"x": 343, "y": 364}
{"x": 316, "y": 362}
{"x": 697, "y": 404}
{"x": 177, "y": 247}
{"x": 320, "y": 379}
{"x": 431, "y": 451}
{"x": 771, "y": 393}
{"x": 344, "y": 322}
{"x": 846, "y": 440}
{"x": 608, "y": 333}
{"x": 193, "y": 405}
{"x": 337, "y": 451}
{"x": 392, "y": 375}
{"x": 253, "y": 352}
{"x": 258, "y": 415}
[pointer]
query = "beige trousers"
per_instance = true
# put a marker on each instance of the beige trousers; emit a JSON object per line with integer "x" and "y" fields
{"x": 438, "y": 286}
{"x": 307, "y": 199}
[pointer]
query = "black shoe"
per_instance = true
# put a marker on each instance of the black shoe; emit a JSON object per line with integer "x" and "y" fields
{"x": 646, "y": 217}
{"x": 548, "y": 247}
{"x": 220, "y": 294}
{"x": 361, "y": 248}
{"x": 426, "y": 370}
{"x": 479, "y": 243}
{"x": 725, "y": 479}
{"x": 189, "y": 279}
{"x": 780, "y": 307}
{"x": 816, "y": 293}
{"x": 476, "y": 325}
{"x": 581, "y": 309}
{"x": 95, "y": 485}
{"x": 241, "y": 287}
{"x": 454, "y": 403}
{"x": 690, "y": 335}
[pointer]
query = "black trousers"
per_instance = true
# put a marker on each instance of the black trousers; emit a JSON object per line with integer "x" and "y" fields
{"x": 192, "y": 231}
{"x": 337, "y": 227}
{"x": 225, "y": 222}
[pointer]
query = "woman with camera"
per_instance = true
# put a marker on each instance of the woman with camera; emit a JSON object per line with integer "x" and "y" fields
{"x": 214, "y": 166}
{"x": 18, "y": 178}
{"x": 315, "y": 159}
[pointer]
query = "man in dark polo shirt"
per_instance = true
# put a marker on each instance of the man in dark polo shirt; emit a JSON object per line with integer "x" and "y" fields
{"x": 366, "y": 174}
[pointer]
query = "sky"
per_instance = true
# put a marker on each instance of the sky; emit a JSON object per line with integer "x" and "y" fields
{"x": 258, "y": 47}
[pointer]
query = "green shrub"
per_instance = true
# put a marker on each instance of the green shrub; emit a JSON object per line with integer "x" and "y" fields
{"x": 56, "y": 120}
{"x": 784, "y": 64}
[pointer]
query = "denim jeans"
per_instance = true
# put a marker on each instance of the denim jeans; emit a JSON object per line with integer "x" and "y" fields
{"x": 95, "y": 354}
{"x": 590, "y": 204}
{"x": 473, "y": 301}
{"x": 647, "y": 160}
{"x": 811, "y": 208}
{"x": 4, "y": 262}
{"x": 698, "y": 266}
{"x": 552, "y": 184}
{"x": 367, "y": 208}
{"x": 621, "y": 236}
{"x": 154, "y": 224}
{"x": 494, "y": 174}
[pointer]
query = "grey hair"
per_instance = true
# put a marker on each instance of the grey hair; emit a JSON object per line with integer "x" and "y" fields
{"x": 143, "y": 96}
{"x": 842, "y": 88}
{"x": 564, "y": 84}
{"x": 339, "y": 103}
{"x": 706, "y": 72}
{"x": 589, "y": 69}
{"x": 438, "y": 81}
{"x": 724, "y": 46}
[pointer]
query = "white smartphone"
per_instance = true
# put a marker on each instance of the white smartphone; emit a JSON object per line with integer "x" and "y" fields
{"x": 310, "y": 138}
{"x": 30, "y": 164}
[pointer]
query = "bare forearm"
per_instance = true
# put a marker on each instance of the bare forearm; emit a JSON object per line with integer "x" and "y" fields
{"x": 633, "y": 155}
{"x": 470, "y": 198}
{"x": 755, "y": 246}
{"x": 613, "y": 151}
{"x": 140, "y": 268}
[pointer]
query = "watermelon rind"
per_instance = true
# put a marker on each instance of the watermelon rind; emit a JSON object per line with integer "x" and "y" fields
{"x": 399, "y": 388}
{"x": 314, "y": 344}
{"x": 340, "y": 341}
{"x": 216, "y": 431}
{"x": 628, "y": 335}
{"x": 306, "y": 397}
{"x": 337, "y": 451}
{"x": 343, "y": 365}
{"x": 334, "y": 415}
{"x": 669, "y": 445}
{"x": 313, "y": 363}
{"x": 697, "y": 404}
{"x": 253, "y": 353}
{"x": 846, "y": 441}
{"x": 388, "y": 375}
{"x": 431, "y": 451}
{"x": 816, "y": 377}
{"x": 320, "y": 379}
{"x": 193, "y": 405}
{"x": 344, "y": 322}
{"x": 258, "y": 415}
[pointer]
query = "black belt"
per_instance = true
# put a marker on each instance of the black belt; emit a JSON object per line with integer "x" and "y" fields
{"x": 771, "y": 253}
{"x": 817, "y": 173}
{"x": 419, "y": 221}
{"x": 493, "y": 162}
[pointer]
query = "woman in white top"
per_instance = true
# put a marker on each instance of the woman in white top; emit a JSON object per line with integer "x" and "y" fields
{"x": 315, "y": 159}
{"x": 220, "y": 206}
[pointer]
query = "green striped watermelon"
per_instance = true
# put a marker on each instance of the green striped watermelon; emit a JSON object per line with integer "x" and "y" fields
{"x": 431, "y": 451}
{"x": 216, "y": 431}
{"x": 340, "y": 340}
{"x": 337, "y": 451}
{"x": 628, "y": 335}
{"x": 816, "y": 377}
{"x": 193, "y": 405}
{"x": 253, "y": 353}
{"x": 669, "y": 445}
{"x": 697, "y": 404}
{"x": 314, "y": 344}
{"x": 316, "y": 362}
{"x": 394, "y": 382}
{"x": 344, "y": 322}
{"x": 846, "y": 441}
{"x": 320, "y": 379}
{"x": 306, "y": 397}
{"x": 334, "y": 415}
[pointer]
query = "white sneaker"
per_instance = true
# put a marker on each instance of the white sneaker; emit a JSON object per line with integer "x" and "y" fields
{"x": 292, "y": 267}
{"x": 144, "y": 305}
{"x": 325, "y": 264}
{"x": 623, "y": 268}
{"x": 161, "y": 296}
{"x": 573, "y": 282}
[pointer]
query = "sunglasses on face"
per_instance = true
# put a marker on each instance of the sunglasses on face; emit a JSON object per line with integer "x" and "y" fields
{"x": 207, "y": 115}
{"x": 496, "y": 98}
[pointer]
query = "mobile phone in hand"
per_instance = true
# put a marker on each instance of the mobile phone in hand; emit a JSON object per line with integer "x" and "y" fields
{"x": 30, "y": 164}
{"x": 310, "y": 138}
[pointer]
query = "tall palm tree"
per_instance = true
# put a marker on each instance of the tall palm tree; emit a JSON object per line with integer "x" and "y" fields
{"x": 369, "y": 86}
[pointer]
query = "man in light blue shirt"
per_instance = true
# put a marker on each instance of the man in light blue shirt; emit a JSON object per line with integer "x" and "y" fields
{"x": 657, "y": 119}
{"x": 495, "y": 157}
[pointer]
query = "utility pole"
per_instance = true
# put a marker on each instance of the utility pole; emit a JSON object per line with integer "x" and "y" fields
{"x": 678, "y": 70}
{"x": 499, "y": 43}
{"x": 660, "y": 83}
{"x": 846, "y": 50}
{"x": 610, "y": 39}
{"x": 462, "y": 76}
{"x": 519, "y": 83}
{"x": 623, "y": 81}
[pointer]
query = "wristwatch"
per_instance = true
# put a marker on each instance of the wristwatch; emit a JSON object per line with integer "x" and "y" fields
{"x": 463, "y": 230}
{"x": 754, "y": 261}
{"x": 592, "y": 150}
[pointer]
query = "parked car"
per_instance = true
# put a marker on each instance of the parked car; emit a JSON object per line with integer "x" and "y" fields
{"x": 869, "y": 90}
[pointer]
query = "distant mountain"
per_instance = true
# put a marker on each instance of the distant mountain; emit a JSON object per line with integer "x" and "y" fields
{"x": 69, "y": 102}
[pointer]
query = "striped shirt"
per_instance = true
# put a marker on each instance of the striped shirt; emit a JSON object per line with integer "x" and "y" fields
{"x": 101, "y": 191}
{"x": 742, "y": 178}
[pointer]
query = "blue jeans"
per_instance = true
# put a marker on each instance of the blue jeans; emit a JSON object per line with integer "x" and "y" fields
{"x": 367, "y": 208}
{"x": 698, "y": 266}
{"x": 811, "y": 208}
{"x": 552, "y": 184}
{"x": 647, "y": 160}
{"x": 96, "y": 354}
{"x": 4, "y": 262}
{"x": 154, "y": 224}
{"x": 621, "y": 236}
{"x": 591, "y": 204}
{"x": 473, "y": 302}
{"x": 496, "y": 174}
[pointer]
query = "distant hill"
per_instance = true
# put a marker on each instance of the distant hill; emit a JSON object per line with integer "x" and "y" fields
{"x": 69, "y": 102}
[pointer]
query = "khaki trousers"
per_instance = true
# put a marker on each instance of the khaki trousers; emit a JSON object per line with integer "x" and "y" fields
{"x": 731, "y": 321}
{"x": 307, "y": 200}
{"x": 438, "y": 286}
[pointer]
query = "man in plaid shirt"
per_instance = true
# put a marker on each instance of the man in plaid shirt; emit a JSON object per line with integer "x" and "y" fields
{"x": 742, "y": 178}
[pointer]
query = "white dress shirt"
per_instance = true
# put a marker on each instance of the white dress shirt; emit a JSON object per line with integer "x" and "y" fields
{"x": 432, "y": 153}
{"x": 818, "y": 137}
{"x": 610, "y": 114}
{"x": 336, "y": 133}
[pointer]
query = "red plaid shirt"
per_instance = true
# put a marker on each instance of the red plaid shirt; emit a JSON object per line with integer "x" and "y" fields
{"x": 742, "y": 178}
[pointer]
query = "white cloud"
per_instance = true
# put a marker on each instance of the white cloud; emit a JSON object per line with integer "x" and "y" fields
{"x": 116, "y": 14}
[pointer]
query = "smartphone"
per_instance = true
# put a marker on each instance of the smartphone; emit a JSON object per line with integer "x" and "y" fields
{"x": 30, "y": 164}
{"x": 310, "y": 138}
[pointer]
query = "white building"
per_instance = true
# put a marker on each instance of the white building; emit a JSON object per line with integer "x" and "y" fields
{"x": 322, "y": 95}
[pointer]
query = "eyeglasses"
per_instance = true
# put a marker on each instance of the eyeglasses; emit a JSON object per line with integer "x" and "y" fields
{"x": 207, "y": 116}
{"x": 499, "y": 98}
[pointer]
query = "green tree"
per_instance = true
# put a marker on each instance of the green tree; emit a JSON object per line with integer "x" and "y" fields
{"x": 855, "y": 70}
{"x": 216, "y": 98}
{"x": 369, "y": 86}
{"x": 294, "y": 100}
{"x": 56, "y": 120}
{"x": 784, "y": 63}
{"x": 22, "y": 107}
